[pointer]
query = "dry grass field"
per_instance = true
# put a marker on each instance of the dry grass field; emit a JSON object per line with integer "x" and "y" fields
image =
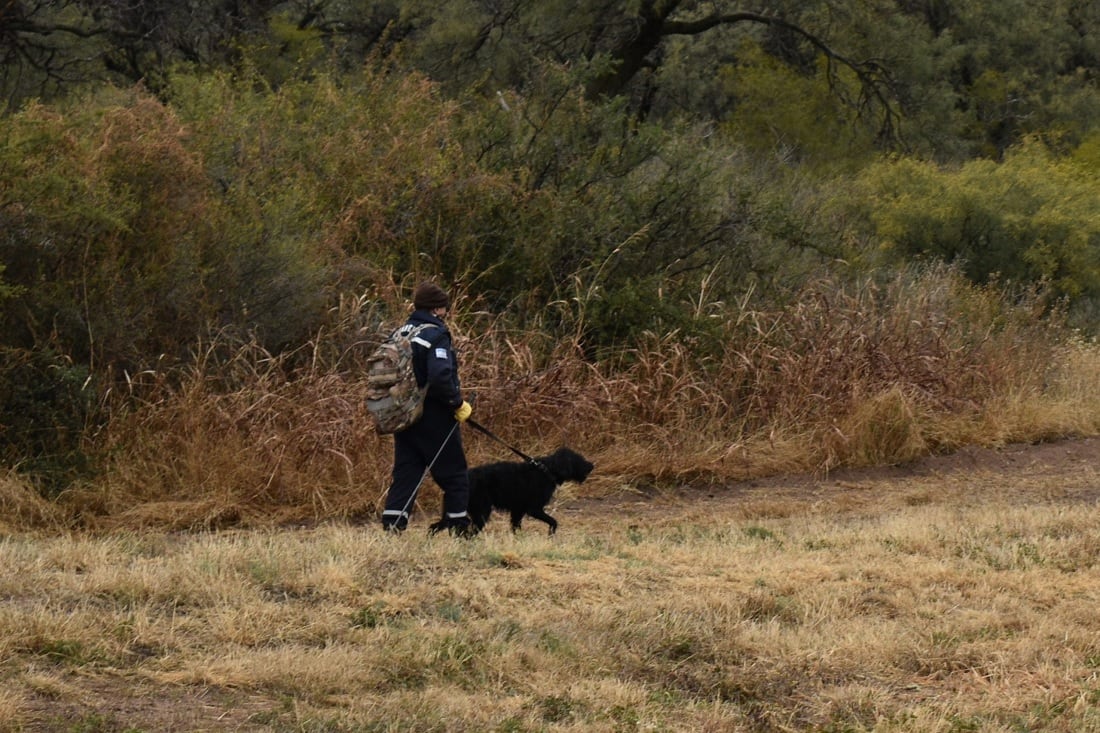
{"x": 955, "y": 593}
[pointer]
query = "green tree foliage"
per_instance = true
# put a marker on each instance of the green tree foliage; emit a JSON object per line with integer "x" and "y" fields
{"x": 365, "y": 175}
{"x": 121, "y": 249}
{"x": 1026, "y": 67}
{"x": 1033, "y": 218}
{"x": 6, "y": 289}
{"x": 976, "y": 78}
{"x": 49, "y": 47}
{"x": 948, "y": 78}
{"x": 131, "y": 225}
{"x": 1087, "y": 155}
{"x": 800, "y": 117}
{"x": 940, "y": 77}
{"x": 637, "y": 50}
{"x": 520, "y": 200}
{"x": 619, "y": 222}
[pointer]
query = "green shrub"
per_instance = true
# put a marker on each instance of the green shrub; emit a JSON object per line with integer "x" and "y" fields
{"x": 45, "y": 405}
{"x": 1033, "y": 218}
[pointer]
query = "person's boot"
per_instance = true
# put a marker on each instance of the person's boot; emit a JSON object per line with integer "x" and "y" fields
{"x": 394, "y": 525}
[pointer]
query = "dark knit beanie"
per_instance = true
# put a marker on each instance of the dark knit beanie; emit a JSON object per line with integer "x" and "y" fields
{"x": 429, "y": 296}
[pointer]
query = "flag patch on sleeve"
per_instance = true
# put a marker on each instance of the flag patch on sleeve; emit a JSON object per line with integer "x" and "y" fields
{"x": 440, "y": 353}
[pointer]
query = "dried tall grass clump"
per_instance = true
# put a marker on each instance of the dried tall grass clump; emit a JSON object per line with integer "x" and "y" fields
{"x": 243, "y": 436}
{"x": 883, "y": 429}
{"x": 1062, "y": 398}
{"x": 1074, "y": 385}
{"x": 540, "y": 391}
{"x": 846, "y": 375}
{"x": 836, "y": 347}
{"x": 22, "y": 506}
{"x": 278, "y": 442}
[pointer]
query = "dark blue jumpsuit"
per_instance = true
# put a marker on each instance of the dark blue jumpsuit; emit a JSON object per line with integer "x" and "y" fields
{"x": 436, "y": 365}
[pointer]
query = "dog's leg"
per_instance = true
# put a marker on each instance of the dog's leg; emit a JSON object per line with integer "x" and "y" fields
{"x": 541, "y": 514}
{"x": 517, "y": 519}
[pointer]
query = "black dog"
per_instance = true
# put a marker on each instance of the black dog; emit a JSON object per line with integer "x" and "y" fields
{"x": 523, "y": 488}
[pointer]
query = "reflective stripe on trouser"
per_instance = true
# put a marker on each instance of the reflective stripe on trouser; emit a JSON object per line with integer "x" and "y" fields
{"x": 395, "y": 518}
{"x": 413, "y": 450}
{"x": 457, "y": 519}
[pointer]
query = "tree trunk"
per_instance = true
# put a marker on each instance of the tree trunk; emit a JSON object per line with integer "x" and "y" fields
{"x": 629, "y": 57}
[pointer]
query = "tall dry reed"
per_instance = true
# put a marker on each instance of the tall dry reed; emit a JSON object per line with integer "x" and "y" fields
{"x": 843, "y": 376}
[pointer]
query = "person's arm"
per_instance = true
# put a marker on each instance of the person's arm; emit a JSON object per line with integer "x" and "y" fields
{"x": 443, "y": 372}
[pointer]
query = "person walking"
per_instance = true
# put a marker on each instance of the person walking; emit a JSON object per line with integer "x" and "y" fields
{"x": 434, "y": 440}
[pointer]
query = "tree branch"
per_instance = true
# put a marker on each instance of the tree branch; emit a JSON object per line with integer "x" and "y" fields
{"x": 47, "y": 29}
{"x": 876, "y": 86}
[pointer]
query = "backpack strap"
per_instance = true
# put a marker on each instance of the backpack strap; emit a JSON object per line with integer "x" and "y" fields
{"x": 415, "y": 337}
{"x": 420, "y": 360}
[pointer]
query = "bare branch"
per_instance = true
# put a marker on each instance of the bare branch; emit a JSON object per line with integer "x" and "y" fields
{"x": 876, "y": 85}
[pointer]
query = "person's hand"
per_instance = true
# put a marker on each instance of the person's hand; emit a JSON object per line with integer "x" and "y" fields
{"x": 462, "y": 413}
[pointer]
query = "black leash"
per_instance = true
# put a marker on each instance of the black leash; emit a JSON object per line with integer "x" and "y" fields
{"x": 482, "y": 429}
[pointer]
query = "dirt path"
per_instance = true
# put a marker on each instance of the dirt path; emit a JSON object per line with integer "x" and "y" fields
{"x": 1062, "y": 471}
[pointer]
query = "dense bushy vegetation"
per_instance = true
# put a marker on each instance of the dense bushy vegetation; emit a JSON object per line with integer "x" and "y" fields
{"x": 872, "y": 230}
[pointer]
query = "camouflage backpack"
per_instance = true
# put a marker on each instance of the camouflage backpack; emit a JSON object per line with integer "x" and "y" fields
{"x": 393, "y": 396}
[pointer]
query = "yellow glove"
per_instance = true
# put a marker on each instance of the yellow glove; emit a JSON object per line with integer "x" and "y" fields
{"x": 463, "y": 411}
